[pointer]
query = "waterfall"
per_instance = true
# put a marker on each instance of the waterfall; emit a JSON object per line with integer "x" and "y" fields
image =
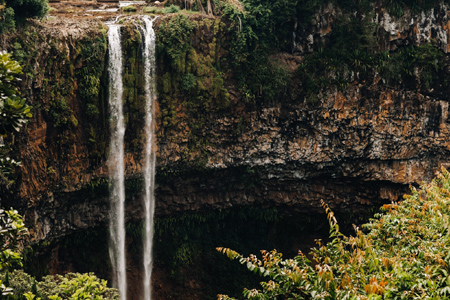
{"x": 116, "y": 161}
{"x": 149, "y": 39}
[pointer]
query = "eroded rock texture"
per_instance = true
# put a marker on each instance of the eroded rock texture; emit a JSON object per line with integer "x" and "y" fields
{"x": 355, "y": 148}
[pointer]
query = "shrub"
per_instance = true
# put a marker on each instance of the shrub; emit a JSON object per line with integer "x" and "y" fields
{"x": 172, "y": 9}
{"x": 69, "y": 286}
{"x": 15, "y": 284}
{"x": 153, "y": 10}
{"x": 188, "y": 81}
{"x": 28, "y": 8}
{"x": 129, "y": 8}
{"x": 405, "y": 254}
{"x": 14, "y": 113}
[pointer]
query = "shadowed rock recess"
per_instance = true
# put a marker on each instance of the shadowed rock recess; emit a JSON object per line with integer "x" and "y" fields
{"x": 354, "y": 147}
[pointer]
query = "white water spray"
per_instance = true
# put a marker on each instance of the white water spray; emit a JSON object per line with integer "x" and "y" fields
{"x": 149, "y": 38}
{"x": 116, "y": 161}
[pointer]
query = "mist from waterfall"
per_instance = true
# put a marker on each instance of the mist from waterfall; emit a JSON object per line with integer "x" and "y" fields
{"x": 116, "y": 163}
{"x": 149, "y": 39}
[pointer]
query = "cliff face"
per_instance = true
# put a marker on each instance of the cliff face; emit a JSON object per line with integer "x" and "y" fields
{"x": 392, "y": 31}
{"x": 354, "y": 147}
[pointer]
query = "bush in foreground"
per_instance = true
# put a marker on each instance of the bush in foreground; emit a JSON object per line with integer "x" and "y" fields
{"x": 17, "y": 285}
{"x": 405, "y": 254}
{"x": 57, "y": 287}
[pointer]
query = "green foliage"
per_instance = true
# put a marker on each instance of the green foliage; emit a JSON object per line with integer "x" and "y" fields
{"x": 69, "y": 286}
{"x": 153, "y": 10}
{"x": 133, "y": 84}
{"x": 172, "y": 9}
{"x": 93, "y": 51}
{"x": 417, "y": 67}
{"x": 129, "y": 8}
{"x": 188, "y": 82}
{"x": 397, "y": 7}
{"x": 7, "y": 21}
{"x": 257, "y": 30}
{"x": 28, "y": 8}
{"x": 17, "y": 285}
{"x": 13, "y": 110}
{"x": 192, "y": 78}
{"x": 13, "y": 11}
{"x": 403, "y": 255}
{"x": 174, "y": 39}
{"x": 14, "y": 113}
{"x": 12, "y": 232}
{"x": 262, "y": 27}
{"x": 352, "y": 54}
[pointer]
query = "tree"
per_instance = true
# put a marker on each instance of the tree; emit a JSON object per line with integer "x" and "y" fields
{"x": 17, "y": 11}
{"x": 24, "y": 9}
{"x": 6, "y": 18}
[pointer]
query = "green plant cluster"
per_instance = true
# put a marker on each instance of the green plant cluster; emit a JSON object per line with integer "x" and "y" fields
{"x": 69, "y": 286}
{"x": 257, "y": 30}
{"x": 12, "y": 234}
{"x": 352, "y": 54}
{"x": 91, "y": 52}
{"x": 404, "y": 254}
{"x": 15, "y": 284}
{"x": 172, "y": 9}
{"x": 58, "y": 74}
{"x": 14, "y": 113}
{"x": 133, "y": 87}
{"x": 191, "y": 74}
{"x": 260, "y": 28}
{"x": 397, "y": 7}
{"x": 70, "y": 79}
{"x": 414, "y": 67}
{"x": 17, "y": 11}
{"x": 129, "y": 8}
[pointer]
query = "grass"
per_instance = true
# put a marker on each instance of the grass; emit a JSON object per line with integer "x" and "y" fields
{"x": 129, "y": 8}
{"x": 153, "y": 10}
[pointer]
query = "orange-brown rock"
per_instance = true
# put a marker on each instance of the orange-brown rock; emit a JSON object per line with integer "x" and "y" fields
{"x": 361, "y": 147}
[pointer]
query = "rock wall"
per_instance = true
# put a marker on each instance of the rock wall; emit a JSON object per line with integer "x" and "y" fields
{"x": 392, "y": 32}
{"x": 354, "y": 149}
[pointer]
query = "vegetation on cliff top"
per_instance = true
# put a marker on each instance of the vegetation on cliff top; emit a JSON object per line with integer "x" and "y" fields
{"x": 351, "y": 52}
{"x": 404, "y": 254}
{"x": 17, "y": 11}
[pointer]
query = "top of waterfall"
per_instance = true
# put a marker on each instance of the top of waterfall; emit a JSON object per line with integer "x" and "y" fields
{"x": 126, "y": 3}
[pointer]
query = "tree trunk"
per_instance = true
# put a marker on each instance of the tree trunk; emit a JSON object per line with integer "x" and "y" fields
{"x": 200, "y": 7}
{"x": 209, "y": 8}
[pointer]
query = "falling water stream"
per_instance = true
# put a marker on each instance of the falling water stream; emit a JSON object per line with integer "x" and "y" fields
{"x": 116, "y": 161}
{"x": 149, "y": 39}
{"x": 116, "y": 155}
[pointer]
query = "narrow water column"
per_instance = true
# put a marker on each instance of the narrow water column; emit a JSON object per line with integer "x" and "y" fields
{"x": 150, "y": 157}
{"x": 116, "y": 163}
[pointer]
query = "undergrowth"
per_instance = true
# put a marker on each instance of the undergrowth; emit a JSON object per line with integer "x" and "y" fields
{"x": 402, "y": 254}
